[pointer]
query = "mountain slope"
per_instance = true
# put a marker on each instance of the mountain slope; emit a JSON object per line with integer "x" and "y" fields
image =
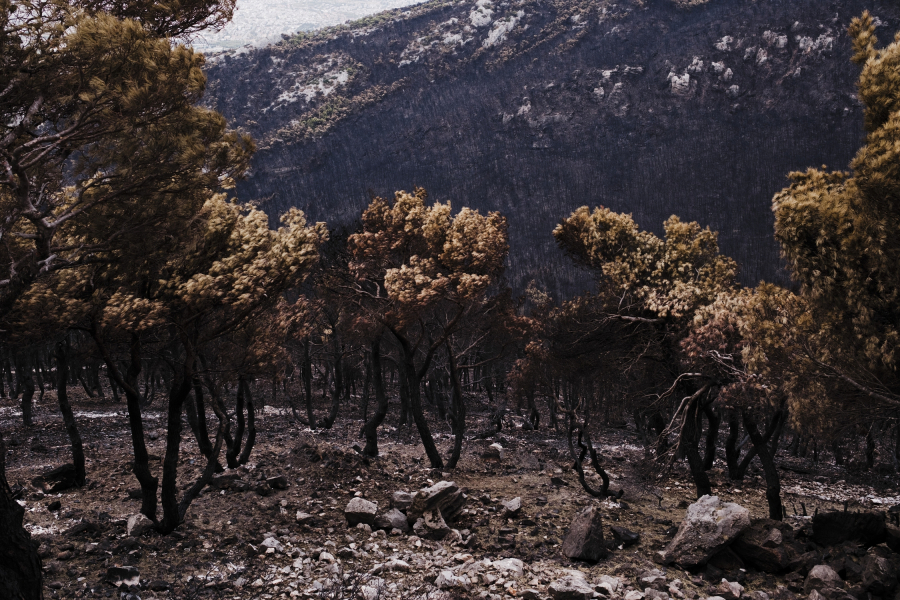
{"x": 536, "y": 107}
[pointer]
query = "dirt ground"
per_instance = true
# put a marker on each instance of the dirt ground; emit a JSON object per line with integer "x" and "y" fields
{"x": 217, "y": 553}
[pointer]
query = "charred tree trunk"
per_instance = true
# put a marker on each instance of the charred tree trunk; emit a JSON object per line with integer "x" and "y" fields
{"x": 129, "y": 385}
{"x": 413, "y": 382}
{"x": 27, "y": 395}
{"x": 197, "y": 405}
{"x": 766, "y": 455}
{"x": 336, "y": 391}
{"x": 234, "y": 448}
{"x": 403, "y": 386}
{"x": 21, "y": 575}
{"x": 712, "y": 435}
{"x": 68, "y": 416}
{"x": 690, "y": 441}
{"x": 251, "y": 427}
{"x": 181, "y": 388}
{"x": 371, "y": 427}
{"x": 307, "y": 384}
{"x": 458, "y": 409}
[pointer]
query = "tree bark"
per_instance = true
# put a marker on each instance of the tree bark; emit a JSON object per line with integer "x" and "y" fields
{"x": 251, "y": 426}
{"x": 712, "y": 435}
{"x": 371, "y": 427}
{"x": 68, "y": 416}
{"x": 27, "y": 393}
{"x": 129, "y": 384}
{"x": 336, "y": 391}
{"x": 690, "y": 440}
{"x": 307, "y": 384}
{"x": 21, "y": 575}
{"x": 458, "y": 409}
{"x": 234, "y": 448}
{"x": 181, "y": 387}
{"x": 767, "y": 458}
{"x": 413, "y": 389}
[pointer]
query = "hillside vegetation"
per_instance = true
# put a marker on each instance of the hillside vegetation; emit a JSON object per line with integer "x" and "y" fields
{"x": 535, "y": 108}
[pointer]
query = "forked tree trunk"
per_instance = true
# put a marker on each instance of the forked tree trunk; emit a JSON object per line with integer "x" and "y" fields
{"x": 20, "y": 565}
{"x": 129, "y": 384}
{"x": 251, "y": 427}
{"x": 413, "y": 389}
{"x": 690, "y": 441}
{"x": 68, "y": 416}
{"x": 181, "y": 387}
{"x": 766, "y": 453}
{"x": 371, "y": 427}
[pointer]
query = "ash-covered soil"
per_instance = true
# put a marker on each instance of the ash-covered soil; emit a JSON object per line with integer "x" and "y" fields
{"x": 219, "y": 551}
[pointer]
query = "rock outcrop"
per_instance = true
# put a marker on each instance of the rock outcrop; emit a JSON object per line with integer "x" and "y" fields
{"x": 584, "y": 540}
{"x": 709, "y": 526}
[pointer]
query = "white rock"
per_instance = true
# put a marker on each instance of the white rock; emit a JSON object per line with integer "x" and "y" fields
{"x": 572, "y": 586}
{"x": 138, "y": 525}
{"x": 510, "y": 565}
{"x": 326, "y": 557}
{"x": 446, "y": 579}
{"x": 273, "y": 544}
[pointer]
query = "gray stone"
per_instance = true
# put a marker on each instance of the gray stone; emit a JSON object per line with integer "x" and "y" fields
{"x": 446, "y": 579}
{"x": 730, "y": 590}
{"x": 821, "y": 577}
{"x": 653, "y": 578}
{"x": 360, "y": 511}
{"x": 271, "y": 542}
{"x": 879, "y": 574}
{"x": 512, "y": 508}
{"x": 392, "y": 519}
{"x": 514, "y": 566}
{"x": 571, "y": 587}
{"x": 709, "y": 526}
{"x": 138, "y": 525}
{"x": 444, "y": 496}
{"x": 625, "y": 537}
{"x": 431, "y": 526}
{"x": 767, "y": 545}
{"x": 584, "y": 541}
{"x": 401, "y": 500}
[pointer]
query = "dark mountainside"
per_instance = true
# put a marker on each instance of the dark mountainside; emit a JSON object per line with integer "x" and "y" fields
{"x": 535, "y": 108}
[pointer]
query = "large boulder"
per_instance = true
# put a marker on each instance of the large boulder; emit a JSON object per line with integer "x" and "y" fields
{"x": 879, "y": 576}
{"x": 392, "y": 519}
{"x": 584, "y": 541}
{"x": 832, "y": 528}
{"x": 767, "y": 545}
{"x": 360, "y": 511}
{"x": 709, "y": 526}
{"x": 444, "y": 496}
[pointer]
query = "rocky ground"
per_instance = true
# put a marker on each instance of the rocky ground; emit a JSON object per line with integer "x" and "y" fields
{"x": 309, "y": 517}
